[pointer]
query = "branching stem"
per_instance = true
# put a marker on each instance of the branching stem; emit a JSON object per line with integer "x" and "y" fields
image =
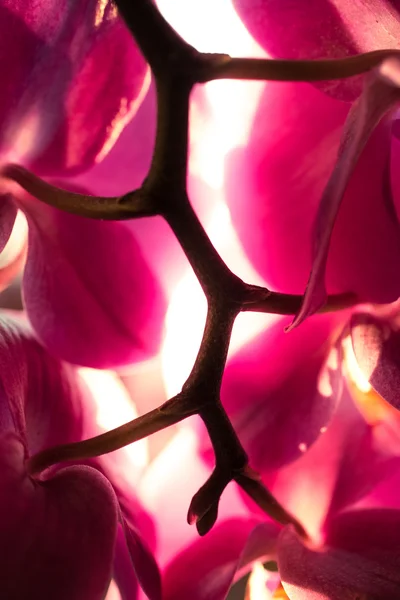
{"x": 176, "y": 67}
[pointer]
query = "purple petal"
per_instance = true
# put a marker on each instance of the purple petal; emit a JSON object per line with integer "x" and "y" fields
{"x": 376, "y": 345}
{"x": 206, "y": 569}
{"x": 88, "y": 292}
{"x": 59, "y": 533}
{"x": 274, "y": 394}
{"x": 381, "y": 93}
{"x": 361, "y": 557}
{"x": 79, "y": 81}
{"x": 313, "y": 29}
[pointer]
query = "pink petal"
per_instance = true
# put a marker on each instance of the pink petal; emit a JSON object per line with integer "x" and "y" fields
{"x": 376, "y": 345}
{"x": 312, "y": 29}
{"x": 274, "y": 396}
{"x": 206, "y": 569}
{"x": 88, "y": 292}
{"x": 59, "y": 533}
{"x": 380, "y": 94}
{"x": 78, "y": 83}
{"x": 361, "y": 557}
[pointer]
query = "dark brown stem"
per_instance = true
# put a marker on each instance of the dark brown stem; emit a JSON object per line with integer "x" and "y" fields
{"x": 225, "y": 67}
{"x": 176, "y": 67}
{"x": 260, "y": 299}
{"x": 156, "y": 38}
{"x": 174, "y": 410}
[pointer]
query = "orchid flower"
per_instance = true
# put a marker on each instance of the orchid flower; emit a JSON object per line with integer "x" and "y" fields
{"x": 80, "y": 80}
{"x": 313, "y": 164}
{"x": 321, "y": 507}
{"x": 343, "y": 489}
{"x": 43, "y": 402}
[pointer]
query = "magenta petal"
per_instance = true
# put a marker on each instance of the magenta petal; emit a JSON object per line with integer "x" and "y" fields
{"x": 88, "y": 292}
{"x": 274, "y": 187}
{"x": 326, "y": 478}
{"x": 206, "y": 569}
{"x": 376, "y": 346}
{"x": 58, "y": 535}
{"x": 272, "y": 391}
{"x": 143, "y": 562}
{"x": 380, "y": 95}
{"x": 79, "y": 80}
{"x": 8, "y": 213}
{"x": 361, "y": 557}
{"x": 312, "y": 29}
{"x": 123, "y": 573}
{"x": 42, "y": 394}
{"x": 274, "y": 184}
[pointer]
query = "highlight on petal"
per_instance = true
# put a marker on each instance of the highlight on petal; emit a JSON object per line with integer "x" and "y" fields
{"x": 59, "y": 533}
{"x": 278, "y": 393}
{"x": 360, "y": 559}
{"x": 13, "y": 255}
{"x": 208, "y": 568}
{"x": 376, "y": 346}
{"x": 381, "y": 93}
{"x": 353, "y": 454}
{"x": 317, "y": 29}
{"x": 88, "y": 292}
{"x": 81, "y": 78}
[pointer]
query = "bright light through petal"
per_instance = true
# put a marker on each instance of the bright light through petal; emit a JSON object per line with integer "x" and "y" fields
{"x": 113, "y": 592}
{"x": 188, "y": 308}
{"x": 16, "y": 242}
{"x": 262, "y": 584}
{"x": 114, "y": 408}
{"x": 371, "y": 405}
{"x": 221, "y": 120}
{"x": 354, "y": 371}
{"x": 210, "y": 26}
{"x": 168, "y": 485}
{"x": 230, "y": 105}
